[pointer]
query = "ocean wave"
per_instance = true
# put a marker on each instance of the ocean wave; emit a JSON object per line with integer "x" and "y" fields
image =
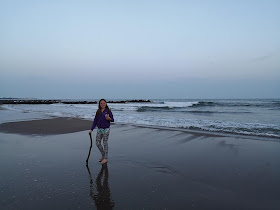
{"x": 10, "y": 107}
{"x": 180, "y": 104}
{"x": 273, "y": 133}
{"x": 204, "y": 103}
{"x": 256, "y": 129}
{"x": 232, "y": 103}
{"x": 149, "y": 108}
{"x": 253, "y": 129}
{"x": 181, "y": 110}
{"x": 165, "y": 106}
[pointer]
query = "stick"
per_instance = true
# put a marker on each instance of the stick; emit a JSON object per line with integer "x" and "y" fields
{"x": 89, "y": 148}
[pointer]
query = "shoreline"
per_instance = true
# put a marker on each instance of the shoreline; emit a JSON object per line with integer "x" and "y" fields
{"x": 64, "y": 125}
{"x": 209, "y": 133}
{"x": 221, "y": 117}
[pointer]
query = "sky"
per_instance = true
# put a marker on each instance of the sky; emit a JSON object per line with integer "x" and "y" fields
{"x": 148, "y": 49}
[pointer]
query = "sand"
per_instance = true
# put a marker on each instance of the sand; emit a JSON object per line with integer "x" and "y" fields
{"x": 52, "y": 126}
{"x": 43, "y": 166}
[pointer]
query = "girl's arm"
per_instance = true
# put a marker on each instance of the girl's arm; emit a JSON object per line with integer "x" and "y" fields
{"x": 94, "y": 122}
{"x": 111, "y": 116}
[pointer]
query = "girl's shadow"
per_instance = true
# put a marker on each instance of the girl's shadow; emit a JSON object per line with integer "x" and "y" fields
{"x": 102, "y": 198}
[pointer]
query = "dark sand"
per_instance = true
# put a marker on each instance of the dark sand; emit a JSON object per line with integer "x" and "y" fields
{"x": 46, "y": 126}
{"x": 148, "y": 168}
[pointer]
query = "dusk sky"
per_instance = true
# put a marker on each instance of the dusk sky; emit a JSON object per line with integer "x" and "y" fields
{"x": 146, "y": 49}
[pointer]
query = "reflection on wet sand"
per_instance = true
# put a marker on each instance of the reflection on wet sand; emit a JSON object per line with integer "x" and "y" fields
{"x": 102, "y": 198}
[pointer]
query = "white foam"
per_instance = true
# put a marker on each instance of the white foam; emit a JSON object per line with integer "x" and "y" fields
{"x": 180, "y": 104}
{"x": 136, "y": 106}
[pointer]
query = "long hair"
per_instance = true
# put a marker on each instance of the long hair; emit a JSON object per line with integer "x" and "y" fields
{"x": 98, "y": 112}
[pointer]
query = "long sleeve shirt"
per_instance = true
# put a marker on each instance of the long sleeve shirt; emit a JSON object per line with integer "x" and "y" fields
{"x": 100, "y": 120}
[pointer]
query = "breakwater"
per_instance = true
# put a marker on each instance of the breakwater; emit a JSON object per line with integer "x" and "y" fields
{"x": 37, "y": 101}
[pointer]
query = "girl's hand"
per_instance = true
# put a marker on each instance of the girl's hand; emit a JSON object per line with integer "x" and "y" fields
{"x": 107, "y": 117}
{"x": 90, "y": 131}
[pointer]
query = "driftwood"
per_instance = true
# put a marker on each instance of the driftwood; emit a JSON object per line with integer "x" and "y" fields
{"x": 89, "y": 148}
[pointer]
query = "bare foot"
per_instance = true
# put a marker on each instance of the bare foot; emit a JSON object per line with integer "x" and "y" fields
{"x": 100, "y": 160}
{"x": 104, "y": 161}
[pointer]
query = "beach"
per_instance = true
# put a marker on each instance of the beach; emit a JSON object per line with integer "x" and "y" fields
{"x": 43, "y": 165}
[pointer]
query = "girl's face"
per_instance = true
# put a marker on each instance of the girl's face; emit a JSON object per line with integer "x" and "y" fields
{"x": 103, "y": 104}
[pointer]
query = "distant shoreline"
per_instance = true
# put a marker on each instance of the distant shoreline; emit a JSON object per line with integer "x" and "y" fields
{"x": 35, "y": 101}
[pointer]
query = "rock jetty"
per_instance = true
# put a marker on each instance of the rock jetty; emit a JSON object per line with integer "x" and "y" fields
{"x": 31, "y": 101}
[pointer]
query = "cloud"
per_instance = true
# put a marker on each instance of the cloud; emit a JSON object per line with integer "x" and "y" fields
{"x": 267, "y": 56}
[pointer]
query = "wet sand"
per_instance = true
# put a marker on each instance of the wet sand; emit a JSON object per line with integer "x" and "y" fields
{"x": 148, "y": 168}
{"x": 51, "y": 126}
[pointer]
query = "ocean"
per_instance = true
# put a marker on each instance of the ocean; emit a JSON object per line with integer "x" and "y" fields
{"x": 256, "y": 117}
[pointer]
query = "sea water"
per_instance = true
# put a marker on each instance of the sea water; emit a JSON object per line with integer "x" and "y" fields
{"x": 258, "y": 117}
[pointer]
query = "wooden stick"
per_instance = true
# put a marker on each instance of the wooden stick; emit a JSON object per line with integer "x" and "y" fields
{"x": 89, "y": 148}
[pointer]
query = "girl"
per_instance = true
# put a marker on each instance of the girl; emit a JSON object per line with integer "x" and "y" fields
{"x": 102, "y": 120}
